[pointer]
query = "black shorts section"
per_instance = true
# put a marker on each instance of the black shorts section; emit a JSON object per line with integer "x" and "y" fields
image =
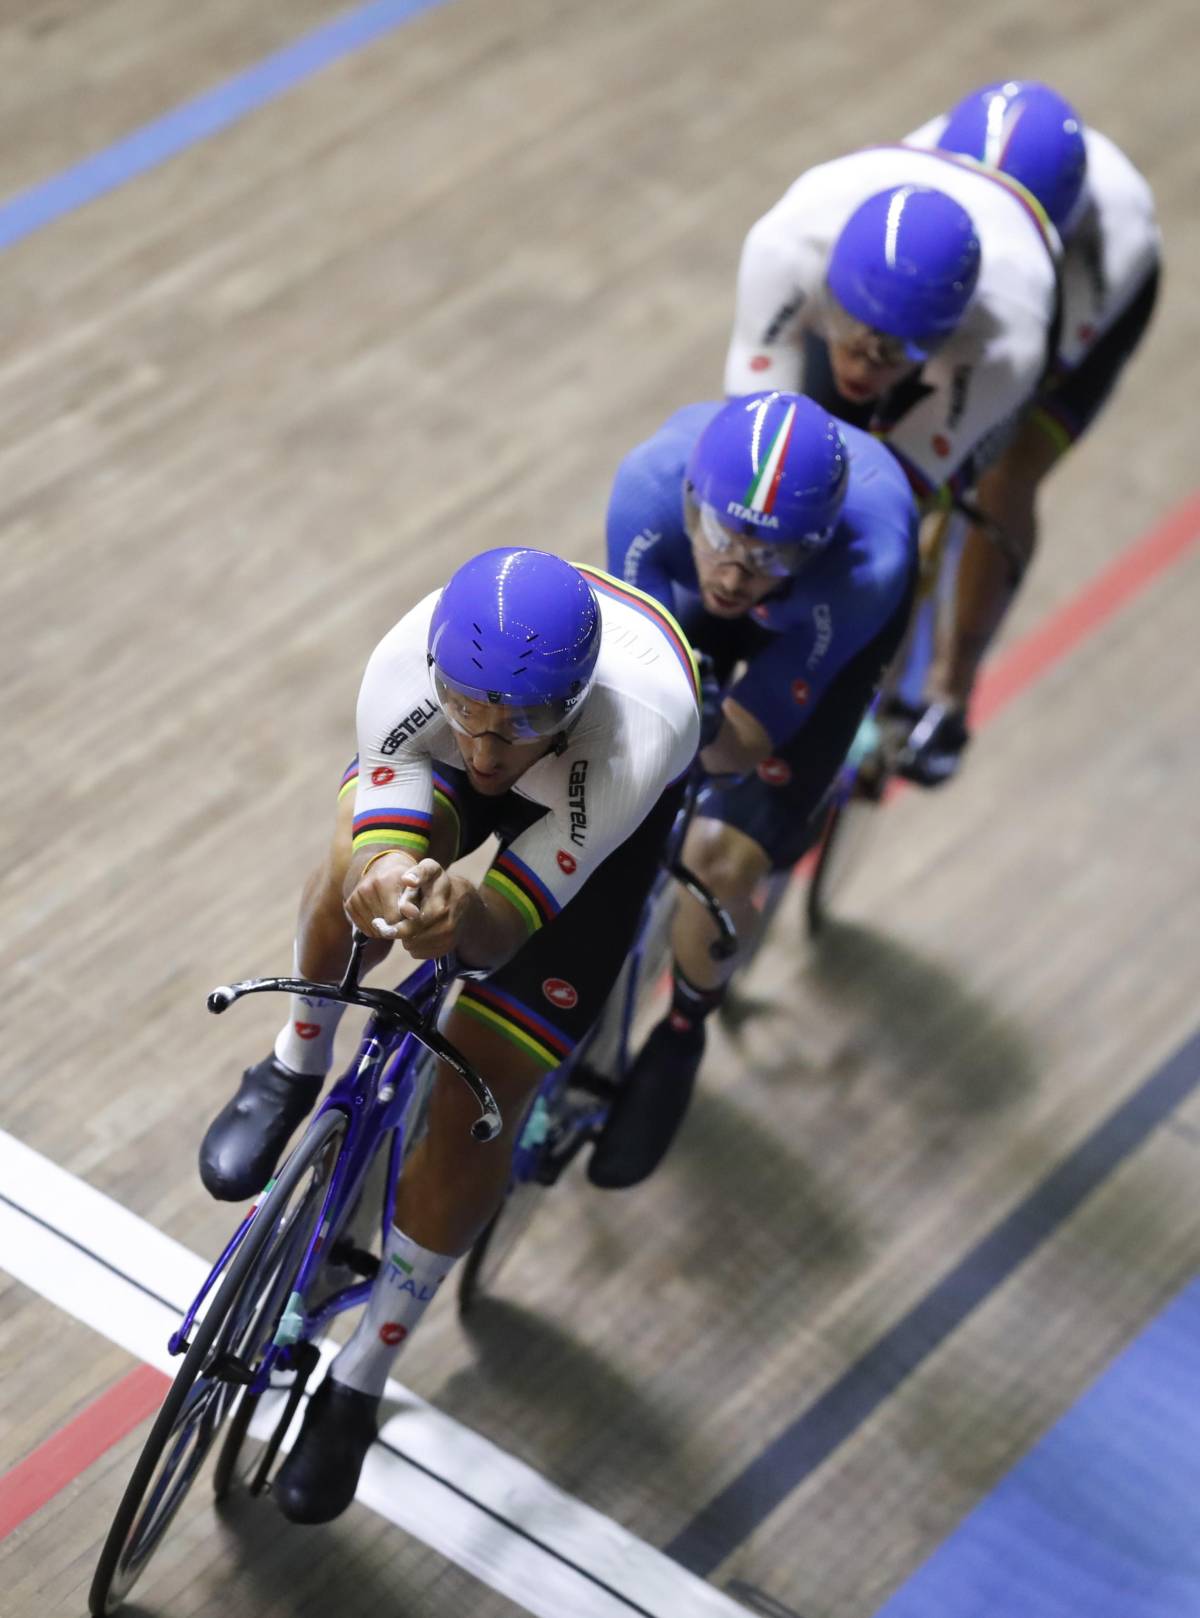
{"x": 553, "y": 989}
{"x": 507, "y": 814}
{"x": 778, "y": 804}
{"x": 1078, "y": 398}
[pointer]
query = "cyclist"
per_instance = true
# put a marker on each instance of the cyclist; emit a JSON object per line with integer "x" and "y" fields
{"x": 1104, "y": 211}
{"x": 909, "y": 293}
{"x": 559, "y": 708}
{"x": 787, "y": 543}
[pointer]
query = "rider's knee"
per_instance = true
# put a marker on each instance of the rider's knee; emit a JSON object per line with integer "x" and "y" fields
{"x": 725, "y": 859}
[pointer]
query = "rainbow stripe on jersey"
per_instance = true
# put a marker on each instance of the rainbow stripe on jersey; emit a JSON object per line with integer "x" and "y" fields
{"x": 523, "y": 889}
{"x": 630, "y": 596}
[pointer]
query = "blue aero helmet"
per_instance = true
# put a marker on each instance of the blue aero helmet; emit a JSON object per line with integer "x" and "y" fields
{"x": 519, "y": 630}
{"x": 1027, "y": 130}
{"x": 769, "y": 475}
{"x": 905, "y": 264}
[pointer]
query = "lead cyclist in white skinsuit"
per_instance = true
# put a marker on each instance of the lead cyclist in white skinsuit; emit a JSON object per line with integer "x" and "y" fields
{"x": 1104, "y": 211}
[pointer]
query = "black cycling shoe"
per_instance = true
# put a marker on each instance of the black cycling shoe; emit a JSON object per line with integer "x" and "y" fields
{"x": 935, "y": 747}
{"x": 650, "y": 1105}
{"x": 242, "y": 1144}
{"x": 317, "y": 1481}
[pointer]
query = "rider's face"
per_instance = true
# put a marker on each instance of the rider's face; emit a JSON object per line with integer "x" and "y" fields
{"x": 729, "y": 587}
{"x": 494, "y": 760}
{"x": 865, "y": 363}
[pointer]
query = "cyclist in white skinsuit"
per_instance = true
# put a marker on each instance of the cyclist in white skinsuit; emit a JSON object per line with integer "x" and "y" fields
{"x": 1104, "y": 211}
{"x": 934, "y": 357}
{"x": 558, "y": 708}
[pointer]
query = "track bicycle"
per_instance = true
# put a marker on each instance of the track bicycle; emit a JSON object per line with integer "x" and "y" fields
{"x": 292, "y": 1264}
{"x": 894, "y": 729}
{"x": 572, "y": 1103}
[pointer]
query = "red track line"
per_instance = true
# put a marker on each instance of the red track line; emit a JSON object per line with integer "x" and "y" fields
{"x": 71, "y": 1450}
{"x": 54, "y": 1464}
{"x": 1120, "y": 583}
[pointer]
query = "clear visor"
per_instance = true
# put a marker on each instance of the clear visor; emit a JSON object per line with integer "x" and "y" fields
{"x": 872, "y": 345}
{"x": 473, "y": 711}
{"x": 773, "y": 561}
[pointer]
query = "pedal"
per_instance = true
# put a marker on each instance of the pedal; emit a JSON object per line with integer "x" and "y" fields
{"x": 228, "y": 1368}
{"x": 355, "y": 1259}
{"x": 592, "y": 1083}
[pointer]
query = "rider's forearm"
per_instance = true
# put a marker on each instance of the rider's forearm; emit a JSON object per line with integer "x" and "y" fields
{"x": 741, "y": 744}
{"x": 370, "y": 854}
{"x": 488, "y": 931}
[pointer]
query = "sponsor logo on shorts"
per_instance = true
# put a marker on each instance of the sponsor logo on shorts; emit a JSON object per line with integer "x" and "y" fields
{"x": 1086, "y": 332}
{"x": 774, "y": 772}
{"x": 801, "y": 691}
{"x": 382, "y": 776}
{"x": 560, "y": 993}
{"x": 392, "y": 1332}
{"x": 680, "y": 1023}
{"x": 761, "y": 612}
{"x": 567, "y": 863}
{"x": 307, "y": 1030}
{"x": 941, "y": 445}
{"x": 761, "y": 362}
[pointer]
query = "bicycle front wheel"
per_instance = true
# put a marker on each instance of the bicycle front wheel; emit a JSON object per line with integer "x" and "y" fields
{"x": 226, "y": 1352}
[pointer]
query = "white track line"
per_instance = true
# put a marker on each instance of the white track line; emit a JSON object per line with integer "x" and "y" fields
{"x": 482, "y": 1509}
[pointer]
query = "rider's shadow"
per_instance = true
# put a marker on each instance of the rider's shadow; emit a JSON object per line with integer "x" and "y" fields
{"x": 267, "y": 1557}
{"x": 864, "y": 1009}
{"x": 603, "y": 1420}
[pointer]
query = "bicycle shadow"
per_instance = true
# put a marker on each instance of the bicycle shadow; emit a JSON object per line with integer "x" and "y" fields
{"x": 887, "y": 1013}
{"x": 605, "y": 1427}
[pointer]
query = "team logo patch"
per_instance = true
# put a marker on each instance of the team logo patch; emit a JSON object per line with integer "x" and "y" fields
{"x": 382, "y": 776}
{"x": 761, "y": 362}
{"x": 392, "y": 1332}
{"x": 1086, "y": 333}
{"x": 307, "y": 1030}
{"x": 774, "y": 772}
{"x": 560, "y": 993}
{"x": 567, "y": 863}
{"x": 941, "y": 445}
{"x": 801, "y": 691}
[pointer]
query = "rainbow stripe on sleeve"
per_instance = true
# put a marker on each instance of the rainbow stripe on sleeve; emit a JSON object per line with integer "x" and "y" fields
{"x": 533, "y": 1034}
{"x": 652, "y": 609}
{"x": 525, "y": 891}
{"x": 349, "y": 782}
{"x": 402, "y": 828}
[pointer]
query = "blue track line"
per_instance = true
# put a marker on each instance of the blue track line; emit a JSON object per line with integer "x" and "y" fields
{"x": 1102, "y": 1517}
{"x": 745, "y": 1503}
{"x": 205, "y": 115}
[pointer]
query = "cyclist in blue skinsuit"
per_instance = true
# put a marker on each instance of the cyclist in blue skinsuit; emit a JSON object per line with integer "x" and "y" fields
{"x": 785, "y": 543}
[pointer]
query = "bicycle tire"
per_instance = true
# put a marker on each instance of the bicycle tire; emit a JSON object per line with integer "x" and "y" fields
{"x": 121, "y": 1563}
{"x": 841, "y": 841}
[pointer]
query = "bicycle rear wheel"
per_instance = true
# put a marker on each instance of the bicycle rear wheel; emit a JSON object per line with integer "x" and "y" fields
{"x": 225, "y": 1354}
{"x": 847, "y": 831}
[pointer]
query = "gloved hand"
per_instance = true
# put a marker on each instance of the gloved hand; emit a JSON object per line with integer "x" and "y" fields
{"x": 711, "y": 694}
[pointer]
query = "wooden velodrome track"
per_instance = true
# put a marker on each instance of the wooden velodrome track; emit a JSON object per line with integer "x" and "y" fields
{"x": 261, "y": 397}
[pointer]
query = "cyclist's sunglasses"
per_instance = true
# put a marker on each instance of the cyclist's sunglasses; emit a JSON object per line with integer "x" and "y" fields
{"x": 772, "y": 561}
